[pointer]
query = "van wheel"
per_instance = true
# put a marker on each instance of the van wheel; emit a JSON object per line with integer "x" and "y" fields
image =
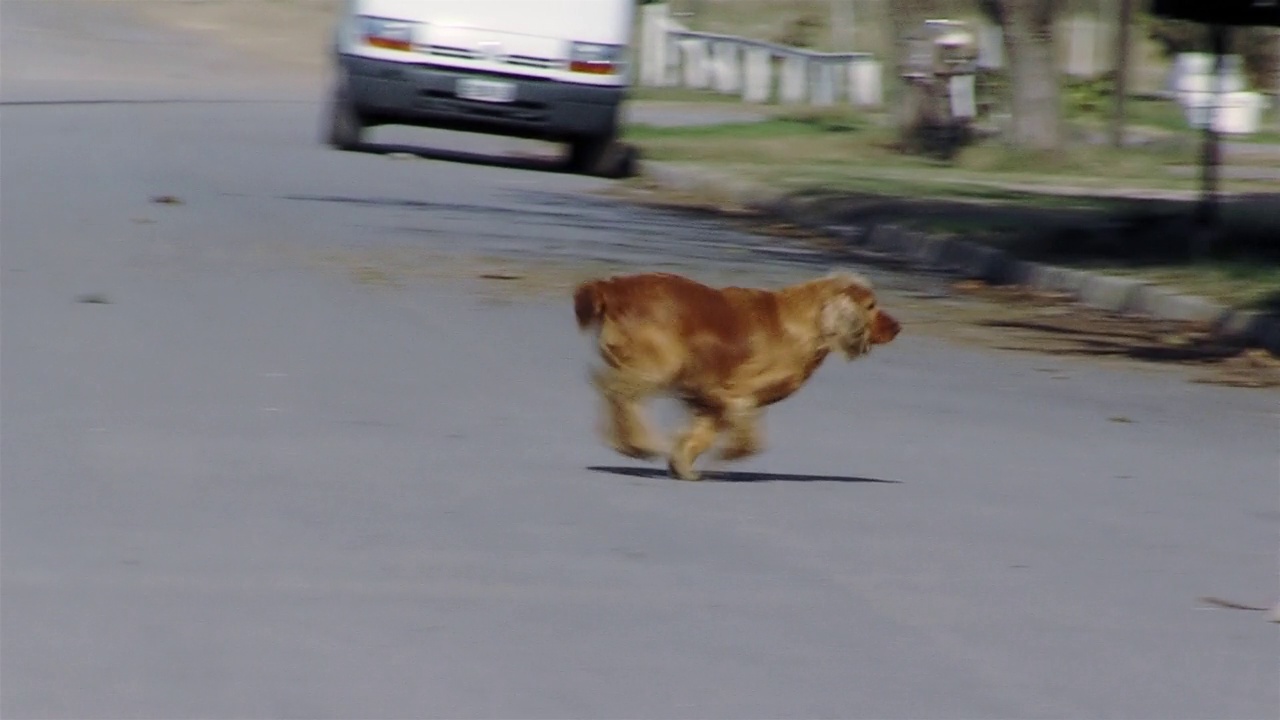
{"x": 345, "y": 129}
{"x": 602, "y": 157}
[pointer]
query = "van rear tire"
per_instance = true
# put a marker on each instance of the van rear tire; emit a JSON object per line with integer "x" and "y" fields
{"x": 587, "y": 153}
{"x": 601, "y": 156}
{"x": 345, "y": 127}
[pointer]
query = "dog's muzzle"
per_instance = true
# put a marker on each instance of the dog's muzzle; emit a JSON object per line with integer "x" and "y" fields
{"x": 884, "y": 329}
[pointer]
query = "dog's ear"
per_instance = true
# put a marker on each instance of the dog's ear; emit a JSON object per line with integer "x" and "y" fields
{"x": 588, "y": 303}
{"x": 845, "y": 325}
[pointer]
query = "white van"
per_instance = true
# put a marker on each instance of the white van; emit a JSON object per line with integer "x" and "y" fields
{"x": 552, "y": 70}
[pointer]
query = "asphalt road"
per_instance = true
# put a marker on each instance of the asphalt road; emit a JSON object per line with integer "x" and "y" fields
{"x": 250, "y": 484}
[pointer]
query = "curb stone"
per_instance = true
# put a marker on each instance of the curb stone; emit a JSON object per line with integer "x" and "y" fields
{"x": 976, "y": 261}
{"x": 1115, "y": 294}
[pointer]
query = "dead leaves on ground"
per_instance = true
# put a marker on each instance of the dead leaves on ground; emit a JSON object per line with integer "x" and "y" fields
{"x": 1050, "y": 322}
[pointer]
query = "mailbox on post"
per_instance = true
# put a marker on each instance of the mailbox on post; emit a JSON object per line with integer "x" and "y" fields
{"x": 939, "y": 66}
{"x": 1221, "y": 16}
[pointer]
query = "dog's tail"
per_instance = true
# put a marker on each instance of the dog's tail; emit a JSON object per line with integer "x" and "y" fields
{"x": 588, "y": 303}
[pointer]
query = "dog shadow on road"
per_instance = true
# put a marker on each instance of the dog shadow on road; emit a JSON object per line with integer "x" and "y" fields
{"x": 738, "y": 476}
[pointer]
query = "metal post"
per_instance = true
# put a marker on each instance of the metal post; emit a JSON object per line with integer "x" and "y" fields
{"x": 1211, "y": 155}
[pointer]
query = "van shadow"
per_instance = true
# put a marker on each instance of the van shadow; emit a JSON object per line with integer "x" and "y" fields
{"x": 539, "y": 163}
{"x": 739, "y": 477}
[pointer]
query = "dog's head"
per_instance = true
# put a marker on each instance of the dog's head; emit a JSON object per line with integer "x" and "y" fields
{"x": 851, "y": 320}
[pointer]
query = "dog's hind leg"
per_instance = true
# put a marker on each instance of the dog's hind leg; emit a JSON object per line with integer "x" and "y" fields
{"x": 624, "y": 426}
{"x": 744, "y": 437}
{"x": 695, "y": 440}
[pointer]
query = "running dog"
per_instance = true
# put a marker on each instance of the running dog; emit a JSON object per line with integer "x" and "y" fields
{"x": 726, "y": 353}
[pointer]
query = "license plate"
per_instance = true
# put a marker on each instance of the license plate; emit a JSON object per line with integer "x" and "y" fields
{"x": 492, "y": 91}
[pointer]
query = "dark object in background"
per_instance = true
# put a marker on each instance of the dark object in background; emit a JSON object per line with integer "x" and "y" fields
{"x": 1221, "y": 12}
{"x": 1220, "y": 17}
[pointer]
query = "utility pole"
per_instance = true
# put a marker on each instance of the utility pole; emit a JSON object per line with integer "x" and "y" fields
{"x": 1121, "y": 88}
{"x": 1211, "y": 152}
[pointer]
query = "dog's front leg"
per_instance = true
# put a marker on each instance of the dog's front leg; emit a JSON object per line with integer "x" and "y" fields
{"x": 625, "y": 428}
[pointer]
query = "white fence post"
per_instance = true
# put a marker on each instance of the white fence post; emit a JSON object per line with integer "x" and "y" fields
{"x": 865, "y": 89}
{"x": 728, "y": 68}
{"x": 696, "y": 63}
{"x": 823, "y": 93}
{"x": 757, "y": 86}
{"x": 795, "y": 71}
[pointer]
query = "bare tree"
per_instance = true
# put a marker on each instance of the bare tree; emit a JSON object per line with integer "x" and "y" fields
{"x": 1027, "y": 26}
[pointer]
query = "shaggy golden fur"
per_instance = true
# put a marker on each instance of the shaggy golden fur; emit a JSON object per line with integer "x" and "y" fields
{"x": 726, "y": 353}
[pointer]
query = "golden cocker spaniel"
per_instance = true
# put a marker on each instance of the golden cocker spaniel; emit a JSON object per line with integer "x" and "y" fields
{"x": 726, "y": 353}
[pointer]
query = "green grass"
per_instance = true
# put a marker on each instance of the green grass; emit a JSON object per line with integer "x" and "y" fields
{"x": 683, "y": 95}
{"x": 845, "y": 147}
{"x": 1168, "y": 116}
{"x": 716, "y": 135}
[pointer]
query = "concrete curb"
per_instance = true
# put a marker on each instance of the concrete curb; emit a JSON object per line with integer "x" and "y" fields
{"x": 974, "y": 260}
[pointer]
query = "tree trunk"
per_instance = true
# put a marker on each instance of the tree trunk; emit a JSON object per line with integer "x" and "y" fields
{"x": 899, "y": 20}
{"x": 1121, "y": 88}
{"x": 1037, "y": 101}
{"x": 1027, "y": 26}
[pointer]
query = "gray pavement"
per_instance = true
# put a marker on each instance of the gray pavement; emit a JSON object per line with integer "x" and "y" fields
{"x": 249, "y": 486}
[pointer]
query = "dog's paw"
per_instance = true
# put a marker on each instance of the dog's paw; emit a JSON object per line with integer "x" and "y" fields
{"x": 682, "y": 471}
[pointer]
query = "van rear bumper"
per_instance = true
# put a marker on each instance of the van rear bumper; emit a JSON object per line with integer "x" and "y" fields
{"x": 391, "y": 93}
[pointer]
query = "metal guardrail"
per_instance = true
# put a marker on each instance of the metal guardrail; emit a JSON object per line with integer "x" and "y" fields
{"x": 675, "y": 56}
{"x": 774, "y": 48}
